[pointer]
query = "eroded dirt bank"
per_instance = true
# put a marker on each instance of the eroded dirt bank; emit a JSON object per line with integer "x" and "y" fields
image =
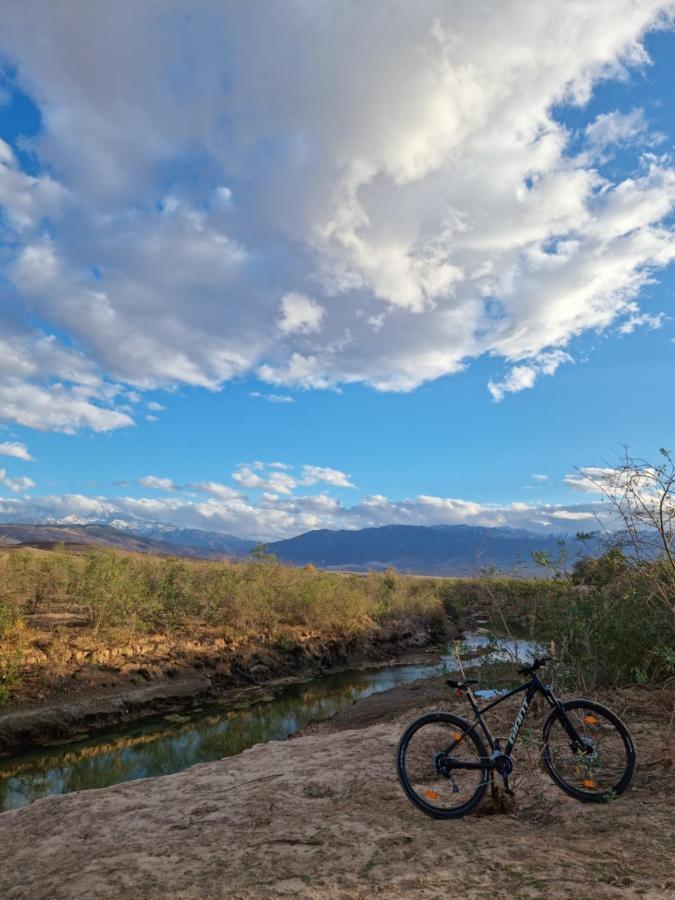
{"x": 322, "y": 816}
{"x": 93, "y": 691}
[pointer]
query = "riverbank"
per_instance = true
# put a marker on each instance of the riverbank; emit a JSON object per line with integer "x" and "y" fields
{"x": 322, "y": 816}
{"x": 114, "y": 687}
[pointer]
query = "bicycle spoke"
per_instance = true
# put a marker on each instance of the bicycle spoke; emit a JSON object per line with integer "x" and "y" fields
{"x": 599, "y": 765}
{"x": 428, "y": 758}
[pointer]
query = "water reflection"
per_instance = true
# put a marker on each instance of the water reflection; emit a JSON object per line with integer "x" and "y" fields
{"x": 170, "y": 746}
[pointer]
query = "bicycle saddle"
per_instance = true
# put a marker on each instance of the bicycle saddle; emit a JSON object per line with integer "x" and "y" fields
{"x": 461, "y": 685}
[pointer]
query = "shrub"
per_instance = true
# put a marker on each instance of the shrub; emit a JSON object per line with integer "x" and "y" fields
{"x": 133, "y": 593}
{"x": 607, "y": 619}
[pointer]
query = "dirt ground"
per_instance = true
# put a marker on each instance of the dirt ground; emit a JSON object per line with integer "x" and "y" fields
{"x": 322, "y": 816}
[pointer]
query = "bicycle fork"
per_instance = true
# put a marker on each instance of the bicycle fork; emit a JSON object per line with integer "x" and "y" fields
{"x": 577, "y": 743}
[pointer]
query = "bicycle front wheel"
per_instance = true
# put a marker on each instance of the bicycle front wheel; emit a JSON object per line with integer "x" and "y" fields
{"x": 427, "y": 756}
{"x": 603, "y": 767}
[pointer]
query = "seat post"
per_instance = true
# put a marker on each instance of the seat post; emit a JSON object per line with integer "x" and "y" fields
{"x": 472, "y": 699}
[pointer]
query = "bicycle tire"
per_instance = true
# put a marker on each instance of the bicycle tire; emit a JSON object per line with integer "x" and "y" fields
{"x": 589, "y": 790}
{"x": 455, "y": 725}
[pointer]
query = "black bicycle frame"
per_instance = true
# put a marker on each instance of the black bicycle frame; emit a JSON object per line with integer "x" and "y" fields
{"x": 531, "y": 688}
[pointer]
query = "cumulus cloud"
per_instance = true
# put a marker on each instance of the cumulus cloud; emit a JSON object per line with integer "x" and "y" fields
{"x": 18, "y": 485}
{"x": 268, "y": 501}
{"x": 15, "y": 449}
{"x": 25, "y": 199}
{"x": 259, "y": 477}
{"x": 641, "y": 320}
{"x": 615, "y": 129}
{"x": 56, "y": 407}
{"x": 215, "y": 488}
{"x": 51, "y": 387}
{"x": 157, "y": 483}
{"x": 314, "y": 474}
{"x": 279, "y": 478}
{"x": 275, "y": 516}
{"x": 590, "y": 479}
{"x": 617, "y": 482}
{"x": 396, "y": 174}
{"x": 299, "y": 314}
{"x": 522, "y": 377}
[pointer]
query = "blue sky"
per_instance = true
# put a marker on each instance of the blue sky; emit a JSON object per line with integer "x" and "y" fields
{"x": 342, "y": 267}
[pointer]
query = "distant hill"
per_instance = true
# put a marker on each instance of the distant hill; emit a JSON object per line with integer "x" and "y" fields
{"x": 164, "y": 541}
{"x": 196, "y": 539}
{"x": 433, "y": 550}
{"x": 439, "y": 549}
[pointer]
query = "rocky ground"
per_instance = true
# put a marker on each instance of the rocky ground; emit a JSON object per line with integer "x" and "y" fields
{"x": 322, "y": 816}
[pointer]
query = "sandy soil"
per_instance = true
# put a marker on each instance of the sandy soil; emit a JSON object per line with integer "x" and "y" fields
{"x": 322, "y": 816}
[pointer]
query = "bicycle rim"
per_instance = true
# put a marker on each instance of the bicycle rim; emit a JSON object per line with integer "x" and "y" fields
{"x": 446, "y": 794}
{"x": 603, "y": 768}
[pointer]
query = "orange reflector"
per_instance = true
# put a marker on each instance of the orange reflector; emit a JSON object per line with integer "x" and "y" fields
{"x": 432, "y": 795}
{"x": 587, "y": 783}
{"x": 457, "y": 736}
{"x": 591, "y": 720}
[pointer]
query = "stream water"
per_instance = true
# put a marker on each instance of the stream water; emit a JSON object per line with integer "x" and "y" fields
{"x": 178, "y": 742}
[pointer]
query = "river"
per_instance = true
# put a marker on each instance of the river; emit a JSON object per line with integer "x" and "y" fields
{"x": 178, "y": 742}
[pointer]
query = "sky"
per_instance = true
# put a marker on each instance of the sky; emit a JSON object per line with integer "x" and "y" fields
{"x": 273, "y": 267}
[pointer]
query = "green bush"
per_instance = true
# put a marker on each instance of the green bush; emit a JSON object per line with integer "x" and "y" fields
{"x": 608, "y": 619}
{"x": 614, "y": 628}
{"x": 133, "y": 593}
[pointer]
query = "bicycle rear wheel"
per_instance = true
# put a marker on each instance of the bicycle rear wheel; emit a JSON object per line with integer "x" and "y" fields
{"x": 424, "y": 762}
{"x": 603, "y": 768}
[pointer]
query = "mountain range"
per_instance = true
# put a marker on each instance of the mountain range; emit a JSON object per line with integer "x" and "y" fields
{"x": 156, "y": 539}
{"x": 437, "y": 549}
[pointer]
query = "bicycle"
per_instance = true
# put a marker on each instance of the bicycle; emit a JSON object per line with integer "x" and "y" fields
{"x": 445, "y": 768}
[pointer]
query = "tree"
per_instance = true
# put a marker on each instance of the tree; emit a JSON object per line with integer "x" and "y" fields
{"x": 642, "y": 495}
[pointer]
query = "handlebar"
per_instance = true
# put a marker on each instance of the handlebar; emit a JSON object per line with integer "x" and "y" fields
{"x": 534, "y": 665}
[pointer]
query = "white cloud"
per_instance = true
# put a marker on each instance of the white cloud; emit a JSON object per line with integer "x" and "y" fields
{"x": 314, "y": 474}
{"x": 48, "y": 386}
{"x": 615, "y": 129}
{"x": 215, "y": 488}
{"x": 590, "y": 479}
{"x": 272, "y": 398}
{"x": 279, "y": 478}
{"x": 572, "y": 516}
{"x": 15, "y": 449}
{"x": 157, "y": 483}
{"x": 25, "y": 199}
{"x": 278, "y": 516}
{"x": 18, "y": 485}
{"x": 615, "y": 483}
{"x": 281, "y": 508}
{"x": 518, "y": 379}
{"x": 299, "y": 314}
{"x": 538, "y": 477}
{"x": 276, "y": 481}
{"x": 642, "y": 320}
{"x": 522, "y": 377}
{"x": 55, "y": 407}
{"x": 396, "y": 174}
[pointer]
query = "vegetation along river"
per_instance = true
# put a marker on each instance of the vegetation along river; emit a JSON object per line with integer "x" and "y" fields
{"x": 178, "y": 742}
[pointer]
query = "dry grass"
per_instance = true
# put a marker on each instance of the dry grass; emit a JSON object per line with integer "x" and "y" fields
{"x": 116, "y": 598}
